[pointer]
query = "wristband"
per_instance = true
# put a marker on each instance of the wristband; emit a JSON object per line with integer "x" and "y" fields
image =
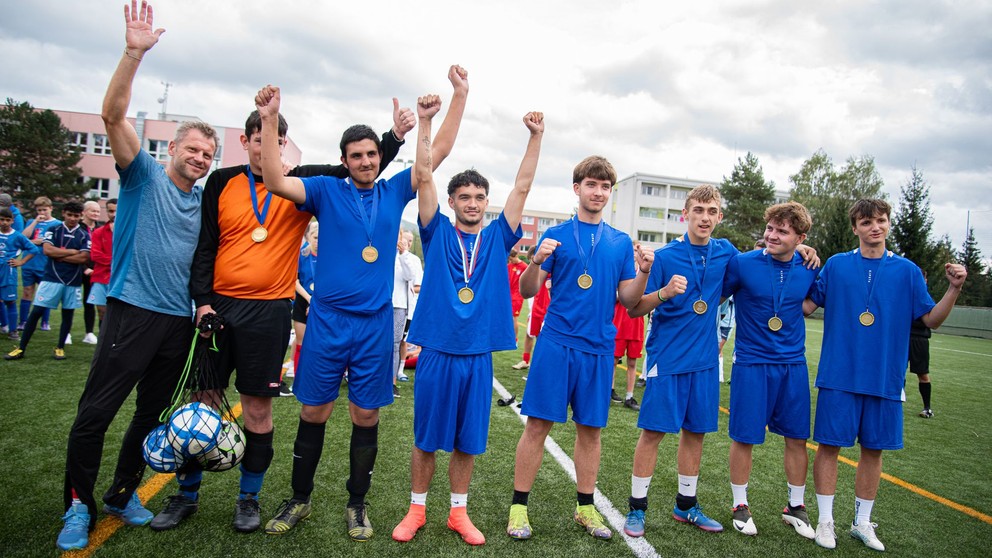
{"x": 661, "y": 298}
{"x": 127, "y": 52}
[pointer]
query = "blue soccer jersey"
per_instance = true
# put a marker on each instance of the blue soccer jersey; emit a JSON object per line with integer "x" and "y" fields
{"x": 445, "y": 323}
{"x": 869, "y": 360}
{"x": 583, "y": 318}
{"x": 763, "y": 288}
{"x": 347, "y": 282}
{"x": 61, "y": 237}
{"x": 681, "y": 340}
{"x": 39, "y": 261}
{"x": 10, "y": 244}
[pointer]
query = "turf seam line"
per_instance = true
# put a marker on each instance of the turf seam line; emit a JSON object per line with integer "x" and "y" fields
{"x": 639, "y": 546}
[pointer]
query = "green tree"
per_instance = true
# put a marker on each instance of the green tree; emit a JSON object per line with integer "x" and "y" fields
{"x": 828, "y": 195}
{"x": 747, "y": 194}
{"x": 36, "y": 158}
{"x": 943, "y": 253}
{"x": 912, "y": 225}
{"x": 976, "y": 290}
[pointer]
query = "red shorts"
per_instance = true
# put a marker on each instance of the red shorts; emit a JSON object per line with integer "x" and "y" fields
{"x": 517, "y": 303}
{"x": 534, "y": 324}
{"x": 632, "y": 347}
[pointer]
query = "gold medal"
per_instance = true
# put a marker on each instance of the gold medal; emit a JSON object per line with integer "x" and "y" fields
{"x": 774, "y": 323}
{"x": 370, "y": 254}
{"x": 466, "y": 295}
{"x": 699, "y": 307}
{"x": 259, "y": 234}
{"x": 585, "y": 281}
{"x": 311, "y": 286}
{"x": 866, "y": 318}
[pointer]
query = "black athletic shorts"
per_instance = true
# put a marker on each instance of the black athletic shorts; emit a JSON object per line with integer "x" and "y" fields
{"x": 919, "y": 355}
{"x": 253, "y": 342}
{"x": 300, "y": 309}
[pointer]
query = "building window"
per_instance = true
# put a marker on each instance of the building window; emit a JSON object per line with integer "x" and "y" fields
{"x": 651, "y": 212}
{"x": 678, "y": 194}
{"x": 101, "y": 188}
{"x": 676, "y": 217}
{"x": 158, "y": 149}
{"x": 79, "y": 140}
{"x": 647, "y": 236}
{"x": 528, "y": 220}
{"x": 649, "y": 190}
{"x": 489, "y": 217}
{"x": 523, "y": 248}
{"x": 101, "y": 146}
{"x": 528, "y": 235}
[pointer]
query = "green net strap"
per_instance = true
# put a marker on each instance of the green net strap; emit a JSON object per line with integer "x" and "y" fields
{"x": 177, "y": 395}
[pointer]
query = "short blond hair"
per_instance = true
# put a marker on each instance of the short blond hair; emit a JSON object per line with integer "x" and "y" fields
{"x": 207, "y": 130}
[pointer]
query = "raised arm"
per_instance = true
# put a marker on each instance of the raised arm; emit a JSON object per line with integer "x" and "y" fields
{"x": 630, "y": 292}
{"x": 956, "y": 274}
{"x": 267, "y": 102}
{"x": 446, "y": 134}
{"x": 528, "y": 168}
{"x": 139, "y": 38}
{"x": 533, "y": 277}
{"x": 423, "y": 175}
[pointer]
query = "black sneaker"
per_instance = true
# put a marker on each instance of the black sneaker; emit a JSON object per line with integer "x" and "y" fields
{"x": 290, "y": 513}
{"x": 359, "y": 526}
{"x": 177, "y": 508}
{"x": 246, "y": 515}
{"x": 285, "y": 390}
{"x": 396, "y": 391}
{"x": 615, "y": 396}
{"x": 641, "y": 382}
{"x": 631, "y": 404}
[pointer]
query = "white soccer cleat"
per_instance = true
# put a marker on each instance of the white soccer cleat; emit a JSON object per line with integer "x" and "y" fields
{"x": 743, "y": 522}
{"x": 825, "y": 535}
{"x": 799, "y": 520}
{"x": 90, "y": 339}
{"x": 865, "y": 533}
{"x": 522, "y": 365}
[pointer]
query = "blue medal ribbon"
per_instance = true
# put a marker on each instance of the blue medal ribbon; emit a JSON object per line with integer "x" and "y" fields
{"x": 870, "y": 287}
{"x": 777, "y": 301}
{"x": 259, "y": 215}
{"x": 578, "y": 243}
{"x": 700, "y": 279}
{"x": 369, "y": 223}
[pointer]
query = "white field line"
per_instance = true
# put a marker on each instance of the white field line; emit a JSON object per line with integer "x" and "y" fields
{"x": 639, "y": 546}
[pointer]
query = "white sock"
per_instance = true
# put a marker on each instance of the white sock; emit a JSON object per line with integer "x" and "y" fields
{"x": 740, "y": 493}
{"x": 796, "y": 494}
{"x": 825, "y": 505}
{"x": 721, "y": 369}
{"x": 687, "y": 485}
{"x": 630, "y": 395}
{"x": 639, "y": 486}
{"x": 862, "y": 510}
{"x": 459, "y": 500}
{"x": 419, "y": 499}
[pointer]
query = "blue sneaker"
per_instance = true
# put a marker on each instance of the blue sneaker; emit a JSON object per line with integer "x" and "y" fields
{"x": 695, "y": 516}
{"x": 634, "y": 526}
{"x": 132, "y": 514}
{"x": 76, "y": 532}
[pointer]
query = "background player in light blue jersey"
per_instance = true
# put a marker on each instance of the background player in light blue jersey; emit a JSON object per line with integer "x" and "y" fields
{"x": 771, "y": 381}
{"x": 870, "y": 298}
{"x": 11, "y": 242}
{"x": 349, "y": 326}
{"x": 463, "y": 315}
{"x": 592, "y": 265}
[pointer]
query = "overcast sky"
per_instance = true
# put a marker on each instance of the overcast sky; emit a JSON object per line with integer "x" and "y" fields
{"x": 656, "y": 87}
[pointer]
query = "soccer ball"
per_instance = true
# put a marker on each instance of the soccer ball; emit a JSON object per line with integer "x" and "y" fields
{"x": 229, "y": 450}
{"x": 193, "y": 429}
{"x": 159, "y": 453}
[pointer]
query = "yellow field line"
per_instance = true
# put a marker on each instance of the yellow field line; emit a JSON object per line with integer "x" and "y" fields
{"x": 109, "y": 525}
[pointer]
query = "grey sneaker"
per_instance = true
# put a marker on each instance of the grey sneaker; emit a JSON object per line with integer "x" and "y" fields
{"x": 615, "y": 396}
{"x": 359, "y": 526}
{"x": 632, "y": 404}
{"x": 290, "y": 513}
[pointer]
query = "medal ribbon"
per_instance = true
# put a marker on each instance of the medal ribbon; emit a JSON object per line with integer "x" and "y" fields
{"x": 878, "y": 272}
{"x": 260, "y": 216}
{"x": 468, "y": 267}
{"x": 369, "y": 223}
{"x": 700, "y": 279}
{"x": 582, "y": 253}
{"x": 777, "y": 301}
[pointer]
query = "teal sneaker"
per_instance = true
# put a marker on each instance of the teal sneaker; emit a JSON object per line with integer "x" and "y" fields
{"x": 76, "y": 532}
{"x": 695, "y": 516}
{"x": 133, "y": 513}
{"x": 634, "y": 526}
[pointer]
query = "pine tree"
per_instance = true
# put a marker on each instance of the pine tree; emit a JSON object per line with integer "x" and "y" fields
{"x": 912, "y": 226}
{"x": 975, "y": 291}
{"x": 747, "y": 195}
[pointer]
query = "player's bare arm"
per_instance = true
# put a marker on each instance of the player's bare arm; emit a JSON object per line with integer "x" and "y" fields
{"x": 533, "y": 277}
{"x": 809, "y": 307}
{"x": 534, "y": 121}
{"x": 139, "y": 37}
{"x": 631, "y": 291}
{"x": 448, "y": 131}
{"x": 423, "y": 175}
{"x": 676, "y": 286}
{"x": 810, "y": 259}
{"x": 956, "y": 274}
{"x": 403, "y": 120}
{"x": 267, "y": 101}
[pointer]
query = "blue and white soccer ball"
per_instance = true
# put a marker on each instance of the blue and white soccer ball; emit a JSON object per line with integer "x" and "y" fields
{"x": 193, "y": 429}
{"x": 159, "y": 453}
{"x": 229, "y": 450}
